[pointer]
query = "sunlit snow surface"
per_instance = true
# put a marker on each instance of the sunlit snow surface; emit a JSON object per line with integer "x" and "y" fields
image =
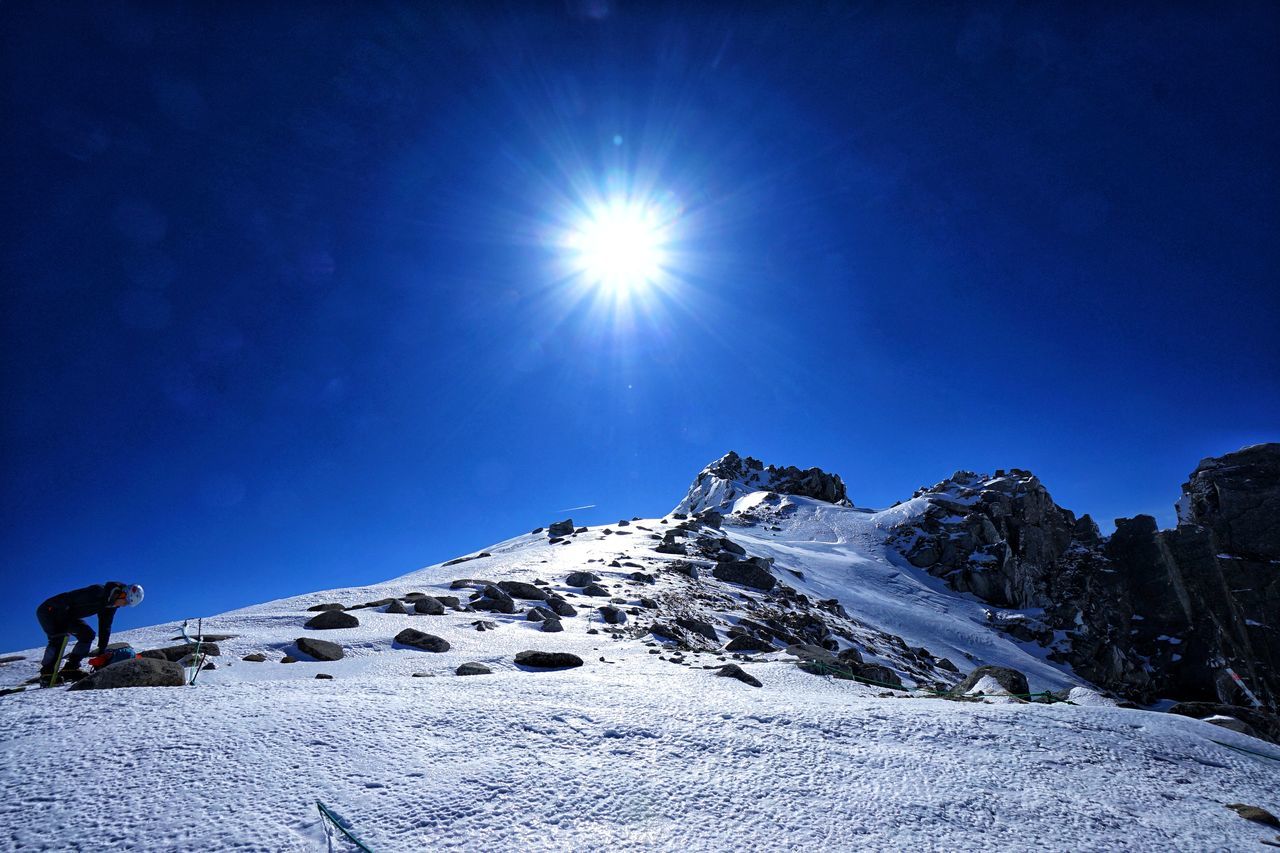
{"x": 627, "y": 752}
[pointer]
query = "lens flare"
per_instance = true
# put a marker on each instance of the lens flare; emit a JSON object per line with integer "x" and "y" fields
{"x": 619, "y": 246}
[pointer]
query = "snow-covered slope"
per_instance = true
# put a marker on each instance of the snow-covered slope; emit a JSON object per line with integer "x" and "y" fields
{"x": 642, "y": 747}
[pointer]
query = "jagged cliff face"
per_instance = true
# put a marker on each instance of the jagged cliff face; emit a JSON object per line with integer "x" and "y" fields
{"x": 1147, "y": 613}
{"x": 731, "y": 477}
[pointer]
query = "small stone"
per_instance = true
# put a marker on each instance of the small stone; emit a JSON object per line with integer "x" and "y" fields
{"x": 288, "y": 659}
{"x": 473, "y": 669}
{"x": 324, "y": 676}
{"x": 256, "y": 657}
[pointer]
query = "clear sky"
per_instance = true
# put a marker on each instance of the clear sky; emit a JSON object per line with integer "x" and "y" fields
{"x": 286, "y": 303}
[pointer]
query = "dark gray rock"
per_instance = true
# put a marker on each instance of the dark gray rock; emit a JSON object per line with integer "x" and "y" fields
{"x": 429, "y": 606}
{"x": 256, "y": 657}
{"x": 551, "y": 626}
{"x": 748, "y": 643}
{"x": 520, "y": 589}
{"x": 1237, "y": 496}
{"x": 324, "y": 676}
{"x": 699, "y": 627}
{"x": 596, "y": 590}
{"x": 494, "y": 600}
{"x": 641, "y": 577}
{"x": 419, "y": 640}
{"x": 732, "y": 670}
{"x": 1257, "y": 814}
{"x": 177, "y": 653}
{"x": 331, "y": 619}
{"x": 547, "y": 660}
{"x": 319, "y": 649}
{"x": 1013, "y": 682}
{"x": 560, "y": 528}
{"x": 745, "y": 573}
{"x": 396, "y": 607}
{"x": 538, "y": 614}
{"x": 581, "y": 578}
{"x": 470, "y": 583}
{"x": 472, "y": 668}
{"x": 458, "y": 560}
{"x": 136, "y": 672}
{"x": 331, "y": 606}
{"x": 1264, "y": 725}
{"x": 612, "y": 615}
{"x": 483, "y": 625}
{"x": 875, "y": 674}
{"x": 648, "y": 604}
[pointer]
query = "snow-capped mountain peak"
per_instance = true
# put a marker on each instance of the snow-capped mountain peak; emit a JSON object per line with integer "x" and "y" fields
{"x": 732, "y": 477}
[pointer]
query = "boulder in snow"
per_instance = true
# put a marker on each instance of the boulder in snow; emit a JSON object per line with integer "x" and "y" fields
{"x": 420, "y": 640}
{"x": 472, "y": 668}
{"x": 745, "y": 573}
{"x": 330, "y": 619}
{"x": 136, "y": 672}
{"x": 319, "y": 649}
{"x": 1010, "y": 681}
{"x": 732, "y": 670}
{"x": 547, "y": 660}
{"x": 520, "y": 589}
{"x": 429, "y": 606}
{"x": 581, "y": 578}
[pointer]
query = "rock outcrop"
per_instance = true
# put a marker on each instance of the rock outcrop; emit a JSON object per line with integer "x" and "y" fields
{"x": 731, "y": 477}
{"x": 1146, "y": 613}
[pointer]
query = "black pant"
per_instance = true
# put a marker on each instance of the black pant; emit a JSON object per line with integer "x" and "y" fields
{"x": 57, "y": 629}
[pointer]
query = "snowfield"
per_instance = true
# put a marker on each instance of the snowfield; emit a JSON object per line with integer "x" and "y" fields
{"x": 640, "y": 748}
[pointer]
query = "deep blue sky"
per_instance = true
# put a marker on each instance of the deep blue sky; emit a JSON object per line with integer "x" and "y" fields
{"x": 279, "y": 312}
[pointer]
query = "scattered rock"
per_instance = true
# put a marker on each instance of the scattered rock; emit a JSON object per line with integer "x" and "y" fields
{"x": 332, "y": 606}
{"x": 256, "y": 657}
{"x": 548, "y": 660}
{"x": 519, "y": 589}
{"x": 551, "y": 626}
{"x": 748, "y": 643}
{"x": 581, "y": 578}
{"x": 457, "y": 560}
{"x": 494, "y": 600}
{"x": 177, "y": 653}
{"x": 396, "y": 607}
{"x": 419, "y": 640}
{"x": 469, "y": 583}
{"x": 612, "y": 615}
{"x": 473, "y": 669}
{"x": 648, "y": 604}
{"x": 745, "y": 573}
{"x": 596, "y": 590}
{"x": 324, "y": 676}
{"x": 484, "y": 625}
{"x": 429, "y": 606}
{"x": 560, "y": 528}
{"x": 331, "y": 619}
{"x": 136, "y": 672}
{"x": 288, "y": 659}
{"x": 319, "y": 649}
{"x": 538, "y": 614}
{"x": 1013, "y": 682}
{"x": 561, "y": 607}
{"x": 732, "y": 670}
{"x": 697, "y": 626}
{"x": 641, "y": 577}
{"x": 1253, "y": 813}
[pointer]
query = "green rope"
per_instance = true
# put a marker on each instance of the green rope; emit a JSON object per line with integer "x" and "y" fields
{"x": 1246, "y": 751}
{"x": 336, "y": 821}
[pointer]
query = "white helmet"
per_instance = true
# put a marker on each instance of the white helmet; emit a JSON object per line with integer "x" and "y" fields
{"x": 133, "y": 595}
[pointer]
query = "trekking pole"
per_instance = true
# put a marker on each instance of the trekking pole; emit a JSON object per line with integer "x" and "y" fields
{"x": 57, "y": 663}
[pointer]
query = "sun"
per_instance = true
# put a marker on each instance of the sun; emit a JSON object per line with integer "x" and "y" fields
{"x": 619, "y": 246}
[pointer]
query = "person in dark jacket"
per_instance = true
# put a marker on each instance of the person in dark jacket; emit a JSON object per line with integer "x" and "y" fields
{"x": 63, "y": 615}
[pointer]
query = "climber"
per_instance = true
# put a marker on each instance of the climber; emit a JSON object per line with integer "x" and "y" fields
{"x": 64, "y": 614}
